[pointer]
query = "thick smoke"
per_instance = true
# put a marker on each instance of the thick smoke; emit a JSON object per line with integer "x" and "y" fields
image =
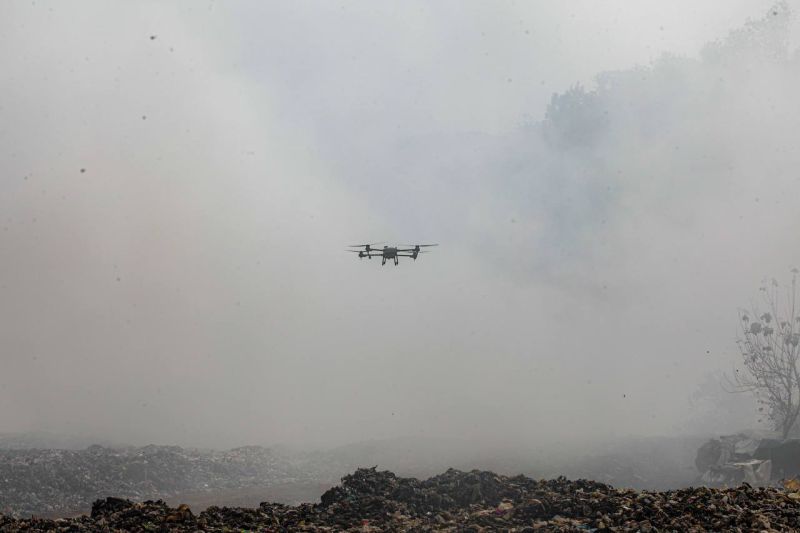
{"x": 174, "y": 213}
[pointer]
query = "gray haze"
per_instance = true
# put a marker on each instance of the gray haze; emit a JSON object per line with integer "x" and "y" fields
{"x": 189, "y": 285}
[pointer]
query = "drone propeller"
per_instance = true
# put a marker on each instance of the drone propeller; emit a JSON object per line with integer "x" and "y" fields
{"x": 363, "y": 245}
{"x": 361, "y": 253}
{"x": 419, "y": 245}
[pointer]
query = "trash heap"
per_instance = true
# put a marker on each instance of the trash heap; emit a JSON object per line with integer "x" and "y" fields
{"x": 372, "y": 500}
{"x": 758, "y": 458}
{"x": 52, "y": 482}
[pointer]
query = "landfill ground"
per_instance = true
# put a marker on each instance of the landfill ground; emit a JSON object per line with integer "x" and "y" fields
{"x": 290, "y": 493}
{"x": 372, "y": 500}
{"x": 58, "y": 483}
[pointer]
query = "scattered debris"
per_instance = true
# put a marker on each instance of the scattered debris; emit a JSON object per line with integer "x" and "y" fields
{"x": 758, "y": 458}
{"x": 372, "y": 500}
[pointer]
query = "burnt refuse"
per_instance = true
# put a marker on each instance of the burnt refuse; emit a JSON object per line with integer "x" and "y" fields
{"x": 373, "y": 500}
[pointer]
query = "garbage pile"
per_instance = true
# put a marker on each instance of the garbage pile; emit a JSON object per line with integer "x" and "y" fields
{"x": 372, "y": 500}
{"x": 52, "y": 482}
{"x": 758, "y": 458}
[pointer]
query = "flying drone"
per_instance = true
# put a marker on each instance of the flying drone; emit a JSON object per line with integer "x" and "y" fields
{"x": 393, "y": 253}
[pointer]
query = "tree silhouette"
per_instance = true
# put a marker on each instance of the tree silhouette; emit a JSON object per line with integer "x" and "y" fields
{"x": 769, "y": 347}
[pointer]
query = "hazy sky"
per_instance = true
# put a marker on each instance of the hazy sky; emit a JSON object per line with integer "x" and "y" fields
{"x": 178, "y": 183}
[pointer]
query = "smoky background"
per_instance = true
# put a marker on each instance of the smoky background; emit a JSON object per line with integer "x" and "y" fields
{"x": 609, "y": 184}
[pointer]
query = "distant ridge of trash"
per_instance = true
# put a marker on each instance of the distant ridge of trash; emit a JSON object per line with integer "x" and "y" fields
{"x": 52, "y": 482}
{"x": 372, "y": 500}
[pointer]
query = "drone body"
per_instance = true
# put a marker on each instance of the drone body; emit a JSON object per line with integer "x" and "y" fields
{"x": 392, "y": 253}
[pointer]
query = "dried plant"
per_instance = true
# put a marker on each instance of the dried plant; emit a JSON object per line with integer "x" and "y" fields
{"x": 768, "y": 342}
